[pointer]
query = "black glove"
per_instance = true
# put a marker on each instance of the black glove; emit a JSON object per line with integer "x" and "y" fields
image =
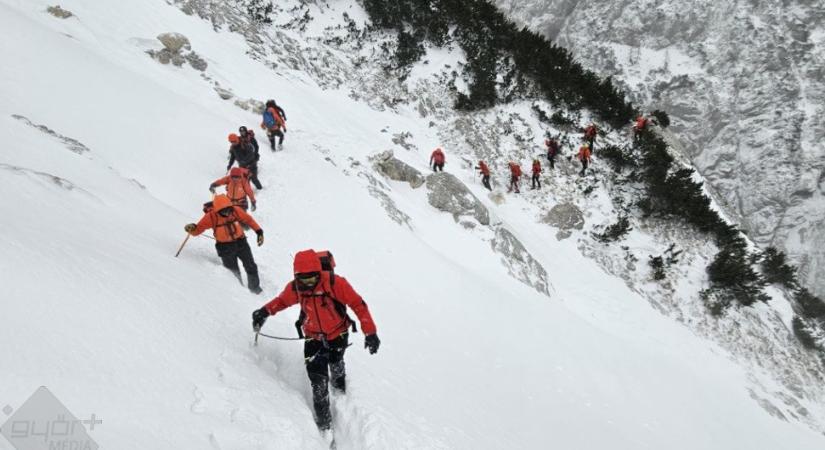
{"x": 258, "y": 318}
{"x": 228, "y": 167}
{"x": 254, "y": 206}
{"x": 212, "y": 188}
{"x": 260, "y": 234}
{"x": 372, "y": 342}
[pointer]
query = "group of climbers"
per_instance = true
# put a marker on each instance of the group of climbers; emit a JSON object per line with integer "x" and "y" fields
{"x": 227, "y": 213}
{"x": 323, "y": 296}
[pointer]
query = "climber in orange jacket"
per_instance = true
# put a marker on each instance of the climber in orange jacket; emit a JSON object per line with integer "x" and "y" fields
{"x": 237, "y": 188}
{"x": 225, "y": 220}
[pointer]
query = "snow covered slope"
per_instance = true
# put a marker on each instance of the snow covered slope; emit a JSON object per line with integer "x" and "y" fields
{"x": 107, "y": 153}
{"x": 743, "y": 83}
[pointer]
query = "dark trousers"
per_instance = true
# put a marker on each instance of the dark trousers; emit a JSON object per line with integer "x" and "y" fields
{"x": 325, "y": 363}
{"x": 585, "y": 164}
{"x": 231, "y": 252}
{"x": 513, "y": 184}
{"x": 592, "y": 142}
{"x": 551, "y": 158}
{"x": 438, "y": 166}
{"x": 536, "y": 181}
{"x": 253, "y": 174}
{"x": 485, "y": 180}
{"x": 271, "y": 134}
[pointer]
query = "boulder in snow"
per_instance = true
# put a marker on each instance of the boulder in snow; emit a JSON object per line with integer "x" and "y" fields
{"x": 395, "y": 169}
{"x": 448, "y": 194}
{"x": 225, "y": 94}
{"x": 59, "y": 12}
{"x": 174, "y": 42}
{"x": 196, "y": 61}
{"x": 566, "y": 217}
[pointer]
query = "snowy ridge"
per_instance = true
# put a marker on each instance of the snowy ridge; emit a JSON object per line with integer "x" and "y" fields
{"x": 96, "y": 308}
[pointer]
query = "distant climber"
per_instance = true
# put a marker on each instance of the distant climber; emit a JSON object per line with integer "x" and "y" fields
{"x": 515, "y": 175}
{"x": 437, "y": 160}
{"x": 248, "y": 136}
{"x": 536, "y": 178}
{"x": 485, "y": 174}
{"x": 246, "y": 156}
{"x": 639, "y": 127}
{"x": 584, "y": 157}
{"x": 324, "y": 298}
{"x": 552, "y": 146}
{"x": 225, "y": 220}
{"x": 274, "y": 122}
{"x": 590, "y": 133}
{"x": 237, "y": 188}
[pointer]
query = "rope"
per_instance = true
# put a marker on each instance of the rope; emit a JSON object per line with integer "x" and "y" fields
{"x": 278, "y": 337}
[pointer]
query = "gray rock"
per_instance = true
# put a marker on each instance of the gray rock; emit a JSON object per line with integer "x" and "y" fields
{"x": 395, "y": 169}
{"x": 196, "y": 61}
{"x": 59, "y": 12}
{"x": 448, "y": 194}
{"x": 250, "y": 104}
{"x": 178, "y": 60}
{"x": 519, "y": 262}
{"x": 566, "y": 217}
{"x": 225, "y": 94}
{"x": 174, "y": 42}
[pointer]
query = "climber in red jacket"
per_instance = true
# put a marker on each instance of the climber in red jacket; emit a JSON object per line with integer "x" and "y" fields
{"x": 324, "y": 298}
{"x": 515, "y": 174}
{"x": 437, "y": 160}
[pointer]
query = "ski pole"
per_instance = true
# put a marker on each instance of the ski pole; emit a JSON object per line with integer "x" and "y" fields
{"x": 182, "y": 244}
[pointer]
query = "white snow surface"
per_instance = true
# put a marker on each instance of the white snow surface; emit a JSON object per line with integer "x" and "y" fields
{"x": 96, "y": 308}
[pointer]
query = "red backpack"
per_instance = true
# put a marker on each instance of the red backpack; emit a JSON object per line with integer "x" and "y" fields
{"x": 328, "y": 266}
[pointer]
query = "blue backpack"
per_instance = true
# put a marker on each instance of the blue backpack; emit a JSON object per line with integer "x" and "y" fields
{"x": 269, "y": 119}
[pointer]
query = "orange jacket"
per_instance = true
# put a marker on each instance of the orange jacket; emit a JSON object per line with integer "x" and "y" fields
{"x": 584, "y": 153}
{"x": 279, "y": 121}
{"x": 237, "y": 190}
{"x": 321, "y": 316}
{"x": 226, "y": 229}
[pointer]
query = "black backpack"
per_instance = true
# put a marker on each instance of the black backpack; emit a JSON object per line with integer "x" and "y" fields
{"x": 328, "y": 266}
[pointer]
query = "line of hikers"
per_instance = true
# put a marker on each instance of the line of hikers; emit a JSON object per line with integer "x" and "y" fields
{"x": 322, "y": 295}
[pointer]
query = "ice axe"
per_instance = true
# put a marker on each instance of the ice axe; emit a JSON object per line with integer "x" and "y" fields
{"x": 182, "y": 244}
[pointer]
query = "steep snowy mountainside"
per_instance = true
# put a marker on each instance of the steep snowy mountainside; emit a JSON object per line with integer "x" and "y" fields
{"x": 108, "y": 153}
{"x": 743, "y": 83}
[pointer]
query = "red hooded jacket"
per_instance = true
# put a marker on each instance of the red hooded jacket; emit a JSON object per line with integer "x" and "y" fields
{"x": 482, "y": 166}
{"x": 437, "y": 156}
{"x": 515, "y": 170}
{"x": 318, "y": 305}
{"x": 536, "y": 167}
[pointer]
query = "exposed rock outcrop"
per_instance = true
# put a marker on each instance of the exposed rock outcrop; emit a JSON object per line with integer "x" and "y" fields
{"x": 448, "y": 194}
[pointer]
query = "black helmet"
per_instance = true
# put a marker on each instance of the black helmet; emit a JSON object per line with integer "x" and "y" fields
{"x": 242, "y": 130}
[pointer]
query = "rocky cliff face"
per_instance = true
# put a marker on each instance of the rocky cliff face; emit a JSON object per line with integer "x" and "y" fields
{"x": 744, "y": 84}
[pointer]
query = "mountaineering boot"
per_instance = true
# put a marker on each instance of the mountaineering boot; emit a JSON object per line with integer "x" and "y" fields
{"x": 320, "y": 401}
